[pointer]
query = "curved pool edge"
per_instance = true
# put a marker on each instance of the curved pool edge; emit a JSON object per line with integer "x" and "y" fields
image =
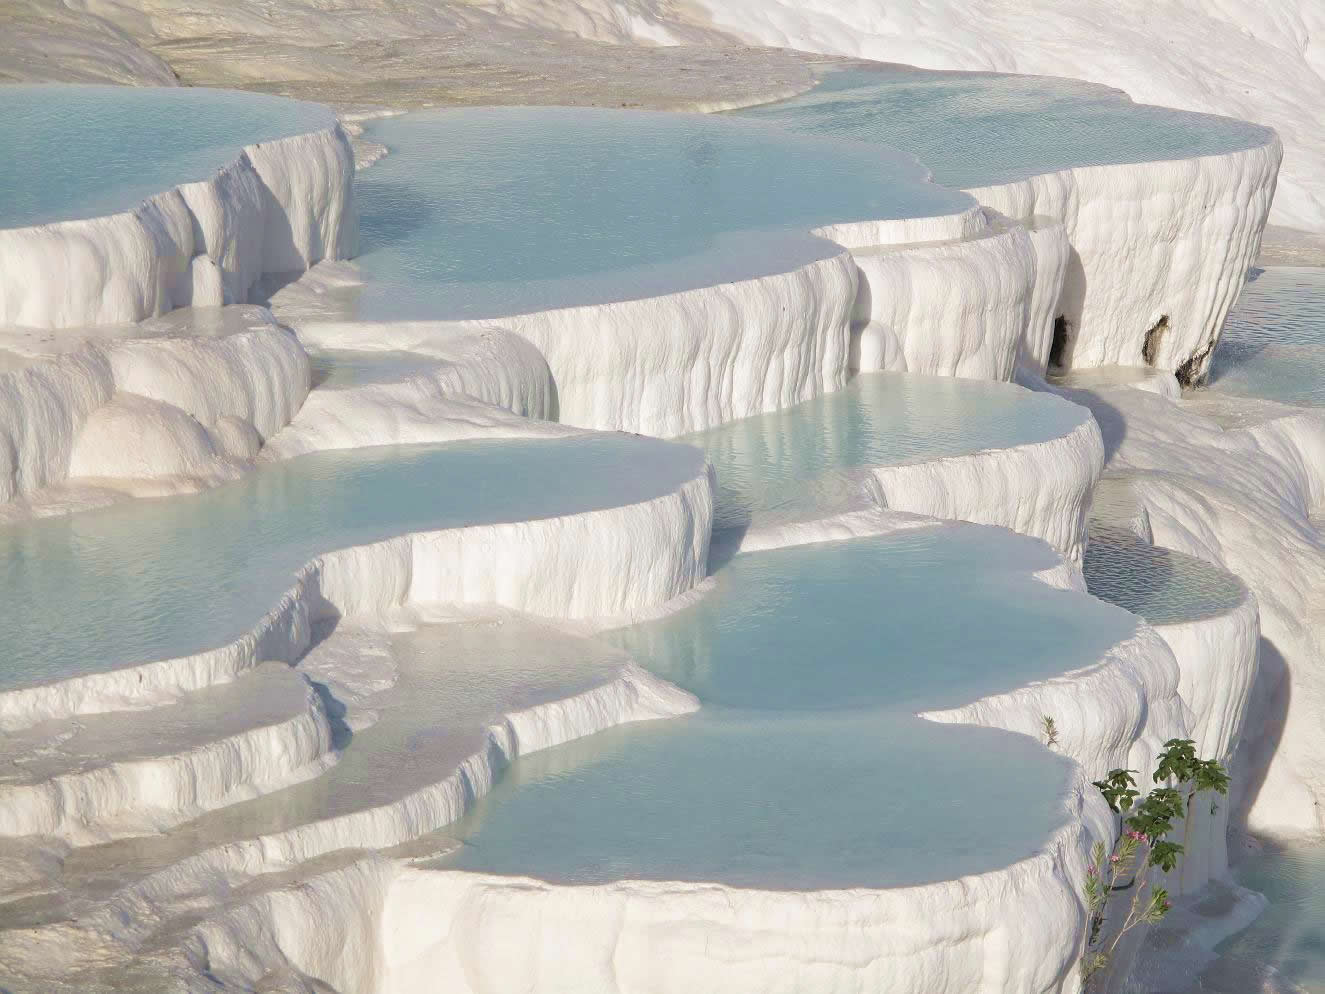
{"x": 280, "y": 206}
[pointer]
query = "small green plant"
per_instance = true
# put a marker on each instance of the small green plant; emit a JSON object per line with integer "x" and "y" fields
{"x": 1143, "y": 843}
{"x": 1050, "y": 731}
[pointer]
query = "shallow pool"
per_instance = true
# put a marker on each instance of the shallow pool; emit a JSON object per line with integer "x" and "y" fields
{"x": 806, "y": 767}
{"x": 782, "y": 802}
{"x": 1282, "y": 951}
{"x": 1273, "y": 345}
{"x": 156, "y": 579}
{"x": 492, "y": 211}
{"x": 339, "y": 368}
{"x": 978, "y": 129}
{"x": 71, "y": 152}
{"x": 808, "y": 460}
{"x": 1162, "y": 586}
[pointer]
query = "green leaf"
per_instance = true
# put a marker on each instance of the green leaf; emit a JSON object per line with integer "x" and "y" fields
{"x": 1118, "y": 789}
{"x": 1177, "y": 761}
{"x": 1165, "y": 855}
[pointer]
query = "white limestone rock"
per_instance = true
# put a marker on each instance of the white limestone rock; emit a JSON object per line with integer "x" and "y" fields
{"x": 281, "y": 207}
{"x": 166, "y": 413}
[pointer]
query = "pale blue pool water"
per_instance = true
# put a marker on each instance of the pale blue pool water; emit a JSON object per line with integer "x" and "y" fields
{"x": 491, "y": 211}
{"x": 1273, "y": 345}
{"x": 156, "y": 579}
{"x": 1162, "y": 586}
{"x": 780, "y": 802}
{"x": 806, "y": 767}
{"x": 925, "y": 619}
{"x": 333, "y": 368}
{"x": 71, "y": 152}
{"x": 977, "y": 129}
{"x": 1284, "y": 949}
{"x": 807, "y": 461}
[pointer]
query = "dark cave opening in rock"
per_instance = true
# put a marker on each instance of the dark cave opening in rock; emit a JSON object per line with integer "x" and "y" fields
{"x": 1058, "y": 348}
{"x": 1154, "y": 337}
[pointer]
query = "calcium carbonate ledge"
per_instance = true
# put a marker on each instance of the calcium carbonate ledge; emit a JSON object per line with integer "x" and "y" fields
{"x": 946, "y": 936}
{"x": 690, "y": 360}
{"x": 672, "y": 364}
{"x": 1201, "y": 670}
{"x": 127, "y": 774}
{"x": 1241, "y": 499}
{"x": 439, "y": 926}
{"x": 1041, "y": 489}
{"x": 198, "y": 397}
{"x": 968, "y": 307}
{"x": 465, "y": 384}
{"x": 1159, "y": 251}
{"x": 967, "y": 294}
{"x": 1155, "y": 298}
{"x": 969, "y": 223}
{"x": 1192, "y": 676}
{"x": 439, "y": 923}
{"x": 280, "y": 207}
{"x": 1211, "y": 624}
{"x": 373, "y": 925}
{"x": 165, "y": 411}
{"x": 1276, "y": 781}
{"x": 1218, "y": 660}
{"x": 1210, "y": 621}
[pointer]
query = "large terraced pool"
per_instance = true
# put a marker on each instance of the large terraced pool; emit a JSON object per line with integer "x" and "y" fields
{"x": 979, "y": 129}
{"x": 807, "y": 767}
{"x": 495, "y": 211}
{"x": 157, "y": 579}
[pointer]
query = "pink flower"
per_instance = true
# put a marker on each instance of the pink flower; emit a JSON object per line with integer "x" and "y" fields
{"x": 1134, "y": 834}
{"x": 1115, "y": 859}
{"x": 1092, "y": 870}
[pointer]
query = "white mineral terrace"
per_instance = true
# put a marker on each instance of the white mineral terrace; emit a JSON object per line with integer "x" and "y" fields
{"x": 613, "y": 551}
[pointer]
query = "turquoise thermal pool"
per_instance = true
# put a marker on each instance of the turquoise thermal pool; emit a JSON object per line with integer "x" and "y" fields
{"x": 485, "y": 212}
{"x": 979, "y": 129}
{"x": 783, "y": 803}
{"x": 806, "y": 767}
{"x": 159, "y": 579}
{"x": 70, "y": 152}
{"x": 1273, "y": 345}
{"x": 809, "y": 460}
